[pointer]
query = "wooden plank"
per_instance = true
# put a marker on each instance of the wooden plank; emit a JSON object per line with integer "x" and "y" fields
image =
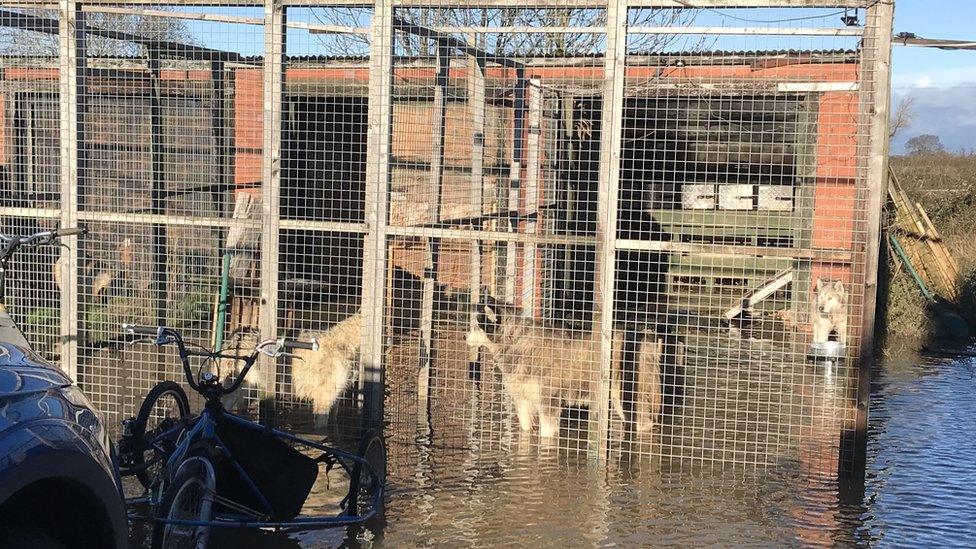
{"x": 748, "y": 31}
{"x": 160, "y": 253}
{"x": 274, "y": 75}
{"x": 530, "y": 200}
{"x": 509, "y": 196}
{"x": 476, "y": 106}
{"x": 378, "y": 155}
{"x": 937, "y": 237}
{"x": 606, "y": 219}
{"x": 875, "y": 108}
{"x": 760, "y": 293}
{"x": 73, "y": 170}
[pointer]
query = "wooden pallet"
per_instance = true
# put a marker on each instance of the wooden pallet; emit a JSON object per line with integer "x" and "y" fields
{"x": 922, "y": 243}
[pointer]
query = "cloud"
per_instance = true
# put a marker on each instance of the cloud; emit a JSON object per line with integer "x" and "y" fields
{"x": 948, "y": 112}
{"x": 936, "y": 77}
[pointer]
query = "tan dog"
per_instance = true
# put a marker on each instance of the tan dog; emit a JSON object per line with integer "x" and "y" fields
{"x": 544, "y": 369}
{"x": 324, "y": 374}
{"x": 830, "y": 313}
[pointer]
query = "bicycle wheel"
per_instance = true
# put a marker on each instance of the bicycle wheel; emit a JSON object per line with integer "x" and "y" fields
{"x": 164, "y": 407}
{"x": 363, "y": 485}
{"x": 190, "y": 497}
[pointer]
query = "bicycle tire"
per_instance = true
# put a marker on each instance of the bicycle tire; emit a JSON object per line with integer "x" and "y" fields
{"x": 372, "y": 450}
{"x": 189, "y": 497}
{"x": 162, "y": 389}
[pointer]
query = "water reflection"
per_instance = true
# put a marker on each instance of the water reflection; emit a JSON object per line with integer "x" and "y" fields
{"x": 507, "y": 490}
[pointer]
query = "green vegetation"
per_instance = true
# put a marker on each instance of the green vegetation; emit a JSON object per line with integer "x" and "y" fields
{"x": 945, "y": 185}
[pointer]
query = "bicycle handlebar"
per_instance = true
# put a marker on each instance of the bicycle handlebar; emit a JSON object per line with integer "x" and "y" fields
{"x": 141, "y": 330}
{"x": 291, "y": 345}
{"x": 269, "y": 347}
{"x": 71, "y": 231}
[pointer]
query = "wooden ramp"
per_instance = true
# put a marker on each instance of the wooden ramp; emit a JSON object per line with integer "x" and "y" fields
{"x": 756, "y": 295}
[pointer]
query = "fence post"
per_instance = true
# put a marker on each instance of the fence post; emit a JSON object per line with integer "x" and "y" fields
{"x": 380, "y": 118}
{"x": 476, "y": 105}
{"x": 160, "y": 271}
{"x": 274, "y": 73}
{"x": 530, "y": 201}
{"x": 874, "y": 105}
{"x": 606, "y": 220}
{"x": 72, "y": 91}
{"x": 432, "y": 248}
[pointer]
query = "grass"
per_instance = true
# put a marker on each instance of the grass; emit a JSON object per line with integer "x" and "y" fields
{"x": 945, "y": 185}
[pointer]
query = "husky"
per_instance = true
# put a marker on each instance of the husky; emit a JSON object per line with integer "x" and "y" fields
{"x": 830, "y": 316}
{"x": 324, "y": 374}
{"x": 544, "y": 368}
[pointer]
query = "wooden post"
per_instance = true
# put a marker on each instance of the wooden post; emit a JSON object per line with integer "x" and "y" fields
{"x": 431, "y": 255}
{"x": 158, "y": 193}
{"x": 515, "y": 186}
{"x": 476, "y": 106}
{"x": 530, "y": 202}
{"x": 274, "y": 75}
{"x": 73, "y": 163}
{"x": 378, "y": 151}
{"x": 606, "y": 220}
{"x": 875, "y": 107}
{"x": 218, "y": 127}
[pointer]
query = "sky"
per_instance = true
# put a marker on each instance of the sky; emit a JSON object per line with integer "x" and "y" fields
{"x": 943, "y": 83}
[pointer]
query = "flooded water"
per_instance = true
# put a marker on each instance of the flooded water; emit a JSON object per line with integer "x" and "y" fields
{"x": 918, "y": 490}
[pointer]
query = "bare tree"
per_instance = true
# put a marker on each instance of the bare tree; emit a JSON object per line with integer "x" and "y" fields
{"x": 904, "y": 115}
{"x": 510, "y": 44}
{"x": 19, "y": 41}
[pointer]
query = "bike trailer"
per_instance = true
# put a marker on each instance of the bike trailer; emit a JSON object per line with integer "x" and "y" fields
{"x": 280, "y": 472}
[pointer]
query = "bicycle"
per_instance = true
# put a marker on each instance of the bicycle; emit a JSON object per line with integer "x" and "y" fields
{"x": 217, "y": 469}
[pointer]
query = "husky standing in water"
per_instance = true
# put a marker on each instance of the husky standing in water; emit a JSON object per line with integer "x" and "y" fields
{"x": 544, "y": 369}
{"x": 324, "y": 374}
{"x": 830, "y": 315}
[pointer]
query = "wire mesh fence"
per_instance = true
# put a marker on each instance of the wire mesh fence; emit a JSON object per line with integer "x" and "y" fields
{"x": 624, "y": 229}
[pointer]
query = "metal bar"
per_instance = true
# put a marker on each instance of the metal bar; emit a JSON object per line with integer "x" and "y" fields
{"x": 72, "y": 131}
{"x": 455, "y": 43}
{"x": 490, "y": 236}
{"x": 274, "y": 75}
{"x": 43, "y": 213}
{"x": 606, "y": 219}
{"x": 875, "y": 105}
{"x": 749, "y": 31}
{"x": 514, "y": 186}
{"x": 530, "y": 198}
{"x": 929, "y": 296}
{"x": 157, "y": 198}
{"x": 519, "y": 29}
{"x": 518, "y": 3}
{"x": 174, "y": 220}
{"x": 378, "y": 154}
{"x": 218, "y": 18}
{"x": 50, "y": 26}
{"x": 832, "y": 256}
{"x": 432, "y": 251}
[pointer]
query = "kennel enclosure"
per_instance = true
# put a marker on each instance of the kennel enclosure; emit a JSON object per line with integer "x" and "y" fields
{"x": 683, "y": 170}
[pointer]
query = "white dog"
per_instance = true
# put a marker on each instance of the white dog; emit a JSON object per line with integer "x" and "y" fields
{"x": 830, "y": 314}
{"x": 324, "y": 374}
